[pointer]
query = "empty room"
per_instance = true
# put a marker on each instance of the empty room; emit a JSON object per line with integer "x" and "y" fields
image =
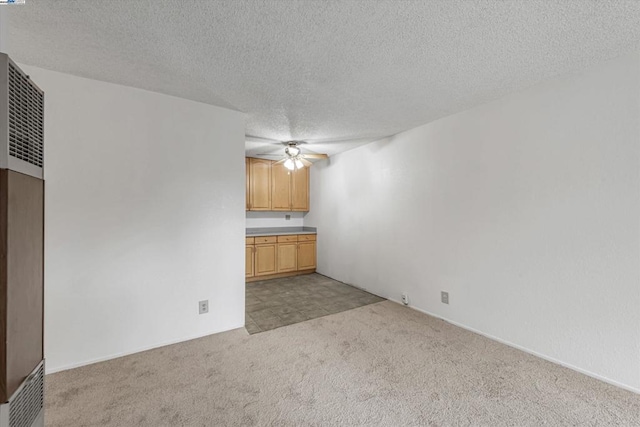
{"x": 439, "y": 203}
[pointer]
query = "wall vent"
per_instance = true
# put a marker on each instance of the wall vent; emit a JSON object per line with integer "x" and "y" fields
{"x": 26, "y": 407}
{"x": 21, "y": 121}
{"x": 27, "y": 404}
{"x": 26, "y": 111}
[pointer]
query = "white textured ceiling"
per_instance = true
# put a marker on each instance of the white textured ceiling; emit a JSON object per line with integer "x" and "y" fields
{"x": 324, "y": 70}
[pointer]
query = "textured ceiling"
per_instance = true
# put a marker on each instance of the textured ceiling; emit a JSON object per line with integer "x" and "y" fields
{"x": 324, "y": 70}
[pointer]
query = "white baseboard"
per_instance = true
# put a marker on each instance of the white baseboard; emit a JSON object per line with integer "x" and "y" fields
{"x": 137, "y": 350}
{"x": 526, "y": 350}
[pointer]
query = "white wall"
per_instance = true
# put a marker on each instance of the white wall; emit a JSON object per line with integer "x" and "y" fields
{"x": 274, "y": 219}
{"x": 526, "y": 210}
{"x": 144, "y": 218}
{"x": 4, "y": 31}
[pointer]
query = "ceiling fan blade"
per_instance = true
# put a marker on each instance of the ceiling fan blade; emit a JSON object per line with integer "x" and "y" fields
{"x": 307, "y": 163}
{"x": 365, "y": 139}
{"x": 261, "y": 140}
{"x": 338, "y": 144}
{"x": 307, "y": 151}
{"x": 315, "y": 156}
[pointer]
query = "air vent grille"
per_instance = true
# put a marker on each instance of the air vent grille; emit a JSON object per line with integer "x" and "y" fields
{"x": 26, "y": 118}
{"x": 26, "y": 405}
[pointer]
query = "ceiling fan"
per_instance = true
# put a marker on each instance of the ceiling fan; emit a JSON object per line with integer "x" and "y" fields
{"x": 293, "y": 157}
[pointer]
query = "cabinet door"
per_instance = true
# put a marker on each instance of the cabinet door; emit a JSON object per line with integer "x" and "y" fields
{"x": 287, "y": 255}
{"x": 306, "y": 255}
{"x": 21, "y": 278}
{"x": 247, "y": 168}
{"x": 260, "y": 188}
{"x": 248, "y": 261}
{"x": 300, "y": 190}
{"x": 280, "y": 188}
{"x": 265, "y": 260}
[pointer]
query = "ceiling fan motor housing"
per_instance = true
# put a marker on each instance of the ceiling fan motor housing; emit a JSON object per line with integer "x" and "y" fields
{"x": 292, "y": 149}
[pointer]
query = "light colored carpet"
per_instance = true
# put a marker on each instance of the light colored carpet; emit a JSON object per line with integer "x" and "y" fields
{"x": 381, "y": 364}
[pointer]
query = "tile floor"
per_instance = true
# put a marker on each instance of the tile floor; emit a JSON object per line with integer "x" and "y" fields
{"x": 274, "y": 303}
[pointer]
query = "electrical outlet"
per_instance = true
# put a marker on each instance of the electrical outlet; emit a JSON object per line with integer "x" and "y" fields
{"x": 444, "y": 297}
{"x": 405, "y": 298}
{"x": 203, "y": 307}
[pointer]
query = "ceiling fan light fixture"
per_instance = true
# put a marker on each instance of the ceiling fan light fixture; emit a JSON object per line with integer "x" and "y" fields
{"x": 299, "y": 164}
{"x": 289, "y": 164}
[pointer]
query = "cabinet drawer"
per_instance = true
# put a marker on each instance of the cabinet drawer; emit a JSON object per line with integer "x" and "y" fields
{"x": 306, "y": 238}
{"x": 249, "y": 240}
{"x": 266, "y": 239}
{"x": 282, "y": 239}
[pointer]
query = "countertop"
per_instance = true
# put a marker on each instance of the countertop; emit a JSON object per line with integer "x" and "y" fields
{"x": 279, "y": 231}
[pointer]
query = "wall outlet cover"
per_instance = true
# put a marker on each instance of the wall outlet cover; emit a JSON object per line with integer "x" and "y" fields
{"x": 444, "y": 297}
{"x": 405, "y": 298}
{"x": 203, "y": 307}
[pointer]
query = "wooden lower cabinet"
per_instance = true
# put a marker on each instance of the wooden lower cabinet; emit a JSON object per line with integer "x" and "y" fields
{"x": 287, "y": 257}
{"x": 265, "y": 259}
{"x": 248, "y": 261}
{"x": 279, "y": 256}
{"x": 306, "y": 255}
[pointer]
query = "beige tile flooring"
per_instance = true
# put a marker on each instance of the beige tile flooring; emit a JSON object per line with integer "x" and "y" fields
{"x": 271, "y": 304}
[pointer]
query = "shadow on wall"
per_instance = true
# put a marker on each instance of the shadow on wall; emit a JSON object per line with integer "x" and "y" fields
{"x": 372, "y": 147}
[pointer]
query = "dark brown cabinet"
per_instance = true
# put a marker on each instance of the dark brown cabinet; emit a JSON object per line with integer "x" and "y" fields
{"x": 21, "y": 278}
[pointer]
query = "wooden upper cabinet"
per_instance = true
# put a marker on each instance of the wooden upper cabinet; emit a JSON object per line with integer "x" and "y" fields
{"x": 260, "y": 187}
{"x": 272, "y": 187}
{"x": 280, "y": 188}
{"x": 300, "y": 190}
{"x": 247, "y": 168}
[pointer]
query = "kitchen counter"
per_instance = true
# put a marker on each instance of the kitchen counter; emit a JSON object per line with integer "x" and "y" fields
{"x": 279, "y": 231}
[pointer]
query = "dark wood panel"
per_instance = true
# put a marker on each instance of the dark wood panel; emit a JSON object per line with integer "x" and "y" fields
{"x": 3, "y": 285}
{"x": 24, "y": 282}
